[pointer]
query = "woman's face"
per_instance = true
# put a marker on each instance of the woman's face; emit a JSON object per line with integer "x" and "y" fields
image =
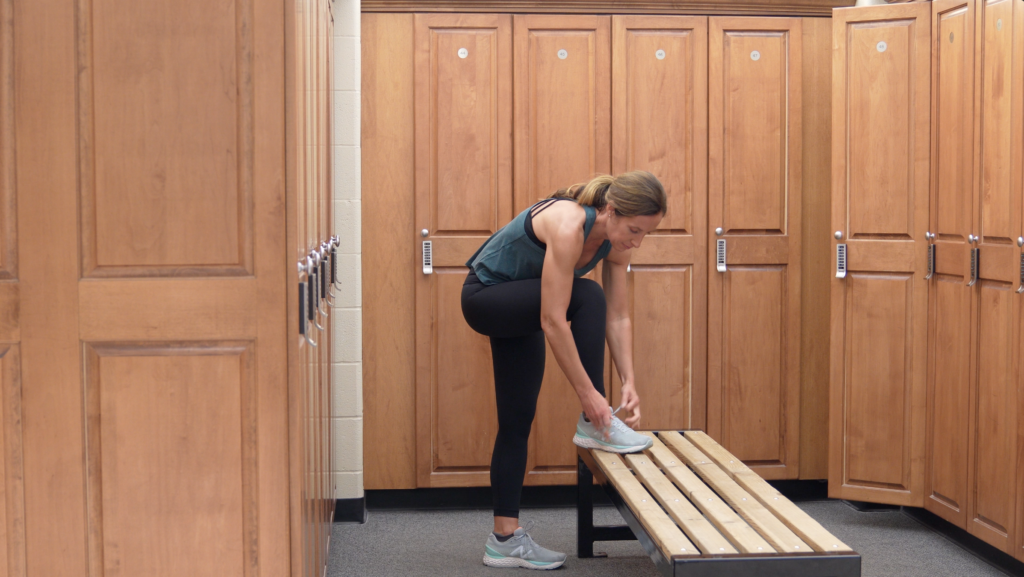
{"x": 626, "y": 232}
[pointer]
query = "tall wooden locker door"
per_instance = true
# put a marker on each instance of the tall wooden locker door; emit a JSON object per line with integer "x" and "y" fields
{"x": 152, "y": 221}
{"x": 999, "y": 126}
{"x": 754, "y": 221}
{"x": 659, "y": 114}
{"x": 950, "y": 220}
{"x": 12, "y": 471}
{"x": 463, "y": 194}
{"x": 879, "y": 297}
{"x": 562, "y": 115}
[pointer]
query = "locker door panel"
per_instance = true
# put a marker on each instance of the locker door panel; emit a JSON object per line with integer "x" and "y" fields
{"x": 562, "y": 131}
{"x": 754, "y": 198}
{"x": 881, "y": 103}
{"x": 659, "y": 109}
{"x": 999, "y": 108}
{"x": 463, "y": 184}
{"x": 949, "y": 297}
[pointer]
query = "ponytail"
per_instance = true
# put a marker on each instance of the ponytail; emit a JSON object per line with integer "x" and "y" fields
{"x": 636, "y": 193}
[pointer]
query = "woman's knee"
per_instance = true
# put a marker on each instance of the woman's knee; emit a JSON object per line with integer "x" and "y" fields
{"x": 587, "y": 294}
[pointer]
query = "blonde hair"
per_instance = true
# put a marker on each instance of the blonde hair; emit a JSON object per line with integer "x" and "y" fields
{"x": 636, "y": 193}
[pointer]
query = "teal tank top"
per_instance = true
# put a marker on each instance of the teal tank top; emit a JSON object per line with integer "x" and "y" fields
{"x": 511, "y": 254}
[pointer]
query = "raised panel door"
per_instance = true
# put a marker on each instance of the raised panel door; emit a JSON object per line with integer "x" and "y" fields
{"x": 562, "y": 133}
{"x": 999, "y": 114}
{"x": 149, "y": 150}
{"x": 12, "y": 472}
{"x": 949, "y": 312}
{"x": 463, "y": 183}
{"x": 880, "y": 151}
{"x": 754, "y": 205}
{"x": 659, "y": 111}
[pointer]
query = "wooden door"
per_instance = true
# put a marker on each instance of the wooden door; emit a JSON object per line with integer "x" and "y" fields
{"x": 659, "y": 112}
{"x": 463, "y": 184}
{"x": 562, "y": 133}
{"x": 999, "y": 123}
{"x": 12, "y": 470}
{"x": 950, "y": 219}
{"x": 153, "y": 351}
{"x": 754, "y": 202}
{"x": 880, "y": 151}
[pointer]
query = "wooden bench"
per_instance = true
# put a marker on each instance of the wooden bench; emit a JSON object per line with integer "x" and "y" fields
{"x": 700, "y": 512}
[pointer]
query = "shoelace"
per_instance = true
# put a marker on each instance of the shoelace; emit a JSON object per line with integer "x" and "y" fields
{"x": 618, "y": 424}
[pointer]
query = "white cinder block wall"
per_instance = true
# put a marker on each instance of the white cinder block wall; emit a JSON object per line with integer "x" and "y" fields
{"x": 348, "y": 326}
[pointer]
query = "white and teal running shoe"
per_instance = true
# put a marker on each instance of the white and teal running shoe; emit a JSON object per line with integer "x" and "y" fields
{"x": 618, "y": 438}
{"x": 520, "y": 551}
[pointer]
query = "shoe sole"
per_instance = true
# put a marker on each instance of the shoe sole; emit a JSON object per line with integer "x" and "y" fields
{"x": 516, "y": 562}
{"x": 588, "y": 443}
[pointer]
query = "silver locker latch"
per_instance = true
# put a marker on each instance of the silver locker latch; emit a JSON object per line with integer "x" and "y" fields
{"x": 931, "y": 261}
{"x": 1021, "y": 288}
{"x": 975, "y": 256}
{"x": 428, "y": 258}
{"x": 721, "y": 255}
{"x": 840, "y": 261}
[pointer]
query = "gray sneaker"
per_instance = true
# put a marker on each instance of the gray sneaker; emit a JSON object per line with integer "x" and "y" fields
{"x": 520, "y": 551}
{"x": 619, "y": 438}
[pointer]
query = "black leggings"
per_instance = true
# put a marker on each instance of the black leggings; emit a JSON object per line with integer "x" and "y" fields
{"x": 509, "y": 313}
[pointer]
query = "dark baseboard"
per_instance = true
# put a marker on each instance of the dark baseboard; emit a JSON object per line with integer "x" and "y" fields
{"x": 350, "y": 510}
{"x": 472, "y": 498}
{"x": 865, "y": 507}
{"x": 796, "y": 491}
{"x": 995, "y": 557}
{"x": 535, "y": 497}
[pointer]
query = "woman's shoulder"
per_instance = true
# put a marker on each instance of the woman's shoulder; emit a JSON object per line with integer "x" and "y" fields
{"x": 563, "y": 212}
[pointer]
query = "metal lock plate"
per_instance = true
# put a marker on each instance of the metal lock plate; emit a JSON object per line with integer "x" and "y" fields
{"x": 840, "y": 261}
{"x": 428, "y": 257}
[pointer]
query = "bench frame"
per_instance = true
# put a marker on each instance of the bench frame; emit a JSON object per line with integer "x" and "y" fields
{"x": 775, "y": 565}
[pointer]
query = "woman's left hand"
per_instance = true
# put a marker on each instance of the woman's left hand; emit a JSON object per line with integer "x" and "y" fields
{"x": 631, "y": 403}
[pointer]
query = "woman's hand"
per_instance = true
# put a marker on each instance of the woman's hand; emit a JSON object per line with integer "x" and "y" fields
{"x": 596, "y": 408}
{"x": 631, "y": 403}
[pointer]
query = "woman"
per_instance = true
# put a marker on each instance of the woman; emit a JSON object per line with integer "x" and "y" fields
{"x": 523, "y": 286}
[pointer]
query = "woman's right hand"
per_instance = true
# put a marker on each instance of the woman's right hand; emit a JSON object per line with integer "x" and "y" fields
{"x": 596, "y": 408}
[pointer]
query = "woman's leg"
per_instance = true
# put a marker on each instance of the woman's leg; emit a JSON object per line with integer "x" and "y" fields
{"x": 518, "y": 373}
{"x": 509, "y": 313}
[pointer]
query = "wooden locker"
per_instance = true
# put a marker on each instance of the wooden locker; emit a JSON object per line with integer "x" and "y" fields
{"x": 463, "y": 188}
{"x": 562, "y": 132}
{"x": 996, "y": 310}
{"x": 950, "y": 220}
{"x": 659, "y": 111}
{"x": 388, "y": 290}
{"x": 880, "y": 163}
{"x": 12, "y": 468}
{"x": 754, "y": 206}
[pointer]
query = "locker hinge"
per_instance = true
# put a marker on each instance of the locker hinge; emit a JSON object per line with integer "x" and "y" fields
{"x": 931, "y": 261}
{"x": 720, "y": 259}
{"x": 840, "y": 261}
{"x": 975, "y": 257}
{"x": 428, "y": 258}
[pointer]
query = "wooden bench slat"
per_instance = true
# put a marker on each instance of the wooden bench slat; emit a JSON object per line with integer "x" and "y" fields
{"x": 661, "y": 529}
{"x": 731, "y": 525}
{"x": 792, "y": 516}
{"x": 770, "y": 527}
{"x": 696, "y": 527}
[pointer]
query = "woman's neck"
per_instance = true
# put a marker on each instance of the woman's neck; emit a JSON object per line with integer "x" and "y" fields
{"x": 599, "y": 232}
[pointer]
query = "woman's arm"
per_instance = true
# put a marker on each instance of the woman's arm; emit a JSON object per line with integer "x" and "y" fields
{"x": 619, "y": 330}
{"x": 564, "y": 241}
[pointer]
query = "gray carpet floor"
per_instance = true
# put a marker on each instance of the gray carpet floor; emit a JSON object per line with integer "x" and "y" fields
{"x": 446, "y": 543}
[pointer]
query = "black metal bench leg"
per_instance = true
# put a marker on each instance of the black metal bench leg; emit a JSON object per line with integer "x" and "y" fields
{"x": 584, "y": 510}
